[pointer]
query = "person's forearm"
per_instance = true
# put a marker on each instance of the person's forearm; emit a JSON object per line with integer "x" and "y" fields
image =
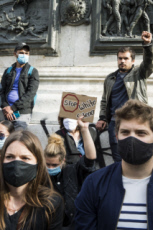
{"x": 89, "y": 145}
{"x": 146, "y": 68}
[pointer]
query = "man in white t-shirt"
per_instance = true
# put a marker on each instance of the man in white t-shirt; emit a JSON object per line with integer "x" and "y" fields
{"x": 120, "y": 196}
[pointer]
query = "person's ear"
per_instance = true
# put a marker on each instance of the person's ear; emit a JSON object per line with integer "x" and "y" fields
{"x": 133, "y": 61}
{"x": 116, "y": 136}
{"x": 15, "y": 54}
{"x": 63, "y": 162}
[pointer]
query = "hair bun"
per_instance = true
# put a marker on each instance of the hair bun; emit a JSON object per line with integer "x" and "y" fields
{"x": 55, "y": 139}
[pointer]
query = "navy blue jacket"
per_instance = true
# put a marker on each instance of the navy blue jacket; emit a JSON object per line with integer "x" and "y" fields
{"x": 99, "y": 203}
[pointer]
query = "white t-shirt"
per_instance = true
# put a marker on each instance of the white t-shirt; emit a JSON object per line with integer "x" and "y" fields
{"x": 133, "y": 213}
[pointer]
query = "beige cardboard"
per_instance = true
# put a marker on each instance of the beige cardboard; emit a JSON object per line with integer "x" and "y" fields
{"x": 75, "y": 105}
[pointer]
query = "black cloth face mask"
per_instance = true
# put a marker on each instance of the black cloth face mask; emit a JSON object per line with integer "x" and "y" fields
{"x": 18, "y": 173}
{"x": 134, "y": 151}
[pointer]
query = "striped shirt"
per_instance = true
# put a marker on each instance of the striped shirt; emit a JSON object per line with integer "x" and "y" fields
{"x": 133, "y": 213}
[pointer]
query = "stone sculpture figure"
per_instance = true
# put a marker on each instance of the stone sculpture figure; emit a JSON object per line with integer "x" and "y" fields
{"x": 21, "y": 1}
{"x": 149, "y": 11}
{"x": 30, "y": 30}
{"x": 125, "y": 10}
{"x": 17, "y": 24}
{"x": 106, "y": 10}
{"x": 113, "y": 7}
{"x": 139, "y": 7}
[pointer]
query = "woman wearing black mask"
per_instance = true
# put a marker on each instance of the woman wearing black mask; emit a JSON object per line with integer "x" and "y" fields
{"x": 25, "y": 201}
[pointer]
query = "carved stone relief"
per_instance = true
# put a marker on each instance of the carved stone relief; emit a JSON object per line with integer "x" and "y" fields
{"x": 119, "y": 22}
{"x": 75, "y": 12}
{"x": 31, "y": 21}
{"x": 121, "y": 17}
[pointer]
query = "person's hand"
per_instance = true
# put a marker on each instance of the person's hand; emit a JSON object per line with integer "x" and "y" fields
{"x": 7, "y": 110}
{"x": 10, "y": 117}
{"x": 82, "y": 124}
{"x": 146, "y": 37}
{"x": 8, "y": 113}
{"x": 101, "y": 125}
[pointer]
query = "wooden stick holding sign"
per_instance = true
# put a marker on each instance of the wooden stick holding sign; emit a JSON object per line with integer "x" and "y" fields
{"x": 75, "y": 105}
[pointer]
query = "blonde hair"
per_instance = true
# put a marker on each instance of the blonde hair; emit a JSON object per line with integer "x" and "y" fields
{"x": 55, "y": 147}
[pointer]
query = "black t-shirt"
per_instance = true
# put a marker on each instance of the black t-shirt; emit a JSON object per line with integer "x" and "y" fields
{"x": 40, "y": 223}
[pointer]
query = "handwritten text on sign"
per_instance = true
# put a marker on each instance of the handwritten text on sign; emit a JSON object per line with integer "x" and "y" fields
{"x": 75, "y": 105}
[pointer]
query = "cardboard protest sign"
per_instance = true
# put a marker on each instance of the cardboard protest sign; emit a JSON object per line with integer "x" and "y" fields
{"x": 75, "y": 105}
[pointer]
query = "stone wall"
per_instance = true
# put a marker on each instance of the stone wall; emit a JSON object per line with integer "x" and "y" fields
{"x": 73, "y": 70}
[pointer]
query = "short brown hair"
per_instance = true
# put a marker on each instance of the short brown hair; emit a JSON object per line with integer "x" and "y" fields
{"x": 134, "y": 109}
{"x": 124, "y": 49}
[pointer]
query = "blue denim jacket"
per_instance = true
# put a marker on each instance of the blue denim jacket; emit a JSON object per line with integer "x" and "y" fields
{"x": 99, "y": 203}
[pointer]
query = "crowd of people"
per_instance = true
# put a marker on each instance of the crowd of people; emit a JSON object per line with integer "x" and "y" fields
{"x": 60, "y": 187}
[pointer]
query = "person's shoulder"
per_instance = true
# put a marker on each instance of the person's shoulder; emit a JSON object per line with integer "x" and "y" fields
{"x": 97, "y": 183}
{"x": 69, "y": 171}
{"x": 33, "y": 69}
{"x": 10, "y": 68}
{"x": 113, "y": 74}
{"x": 135, "y": 70}
{"x": 56, "y": 200}
{"x": 103, "y": 174}
{"x": 61, "y": 132}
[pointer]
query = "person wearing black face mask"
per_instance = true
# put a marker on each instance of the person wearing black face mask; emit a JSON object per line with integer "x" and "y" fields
{"x": 25, "y": 200}
{"x": 120, "y": 195}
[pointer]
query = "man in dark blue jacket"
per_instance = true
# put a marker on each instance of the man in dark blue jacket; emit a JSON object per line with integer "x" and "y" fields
{"x": 120, "y": 196}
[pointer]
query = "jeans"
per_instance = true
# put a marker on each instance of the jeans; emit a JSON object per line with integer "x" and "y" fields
{"x": 113, "y": 141}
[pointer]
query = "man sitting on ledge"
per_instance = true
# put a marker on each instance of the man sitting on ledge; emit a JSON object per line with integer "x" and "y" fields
{"x": 19, "y": 86}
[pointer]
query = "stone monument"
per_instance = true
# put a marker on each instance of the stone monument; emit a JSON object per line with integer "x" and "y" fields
{"x": 32, "y": 21}
{"x": 119, "y": 22}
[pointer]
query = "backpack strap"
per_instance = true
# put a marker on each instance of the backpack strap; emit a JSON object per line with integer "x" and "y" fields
{"x": 9, "y": 69}
{"x": 30, "y": 70}
{"x": 30, "y": 73}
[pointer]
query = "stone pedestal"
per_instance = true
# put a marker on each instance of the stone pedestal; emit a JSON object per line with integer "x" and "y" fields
{"x": 74, "y": 70}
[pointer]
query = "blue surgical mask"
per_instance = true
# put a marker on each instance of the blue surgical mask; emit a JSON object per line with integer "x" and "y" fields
{"x": 2, "y": 140}
{"x": 54, "y": 171}
{"x": 23, "y": 58}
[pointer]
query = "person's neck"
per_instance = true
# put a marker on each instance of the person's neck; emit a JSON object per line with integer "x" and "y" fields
{"x": 16, "y": 199}
{"x": 75, "y": 134}
{"x": 18, "y": 65}
{"x": 123, "y": 72}
{"x": 17, "y": 192}
{"x": 137, "y": 171}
